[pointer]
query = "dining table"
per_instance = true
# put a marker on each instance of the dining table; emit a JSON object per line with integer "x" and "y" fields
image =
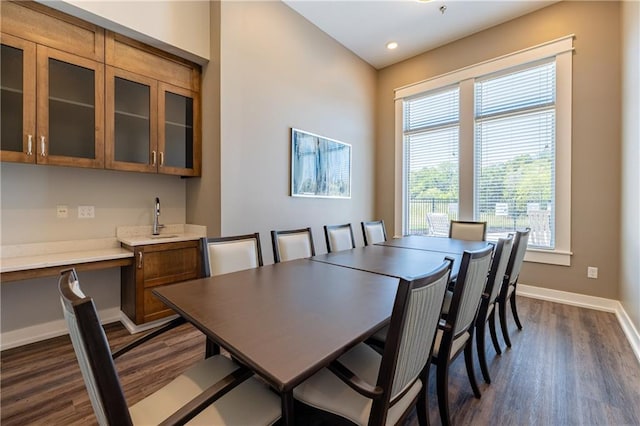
{"x": 435, "y": 244}
{"x": 288, "y": 320}
{"x": 390, "y": 260}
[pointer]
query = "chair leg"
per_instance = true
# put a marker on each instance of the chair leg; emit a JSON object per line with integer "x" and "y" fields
{"x": 468, "y": 360}
{"x": 442, "y": 385}
{"x": 512, "y": 301}
{"x": 480, "y": 337}
{"x": 503, "y": 321}
{"x": 422, "y": 406}
{"x": 492, "y": 331}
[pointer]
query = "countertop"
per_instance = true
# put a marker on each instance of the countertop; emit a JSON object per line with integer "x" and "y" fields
{"x": 22, "y": 257}
{"x": 141, "y": 235}
{"x": 33, "y": 256}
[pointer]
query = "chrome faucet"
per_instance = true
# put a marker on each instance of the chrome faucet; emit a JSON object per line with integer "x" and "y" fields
{"x": 156, "y": 218}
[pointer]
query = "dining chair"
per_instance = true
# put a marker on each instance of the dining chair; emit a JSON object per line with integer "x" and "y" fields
{"x": 438, "y": 224}
{"x": 339, "y": 237}
{"x": 223, "y": 255}
{"x": 486, "y": 313}
{"x": 369, "y": 388}
{"x": 508, "y": 288}
{"x": 455, "y": 332}
{"x": 292, "y": 244}
{"x": 215, "y": 390}
{"x": 467, "y": 230}
{"x": 374, "y": 232}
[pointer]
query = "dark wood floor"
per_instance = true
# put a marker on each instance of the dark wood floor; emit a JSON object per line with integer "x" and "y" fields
{"x": 568, "y": 366}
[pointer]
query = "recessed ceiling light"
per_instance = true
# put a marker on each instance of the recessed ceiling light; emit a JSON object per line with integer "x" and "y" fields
{"x": 392, "y": 45}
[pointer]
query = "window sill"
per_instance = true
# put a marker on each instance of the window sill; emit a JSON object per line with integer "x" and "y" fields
{"x": 551, "y": 257}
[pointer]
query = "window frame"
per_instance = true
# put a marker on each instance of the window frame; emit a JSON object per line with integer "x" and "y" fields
{"x": 562, "y": 50}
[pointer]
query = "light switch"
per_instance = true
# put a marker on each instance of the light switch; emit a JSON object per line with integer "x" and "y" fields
{"x": 62, "y": 211}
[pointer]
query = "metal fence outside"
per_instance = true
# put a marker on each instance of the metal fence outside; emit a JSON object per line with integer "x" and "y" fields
{"x": 497, "y": 225}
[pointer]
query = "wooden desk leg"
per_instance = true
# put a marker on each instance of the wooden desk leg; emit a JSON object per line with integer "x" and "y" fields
{"x": 287, "y": 408}
{"x": 211, "y": 348}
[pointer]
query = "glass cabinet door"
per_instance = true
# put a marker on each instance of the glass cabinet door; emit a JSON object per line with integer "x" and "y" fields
{"x": 132, "y": 129}
{"x": 17, "y": 100}
{"x": 178, "y": 143}
{"x": 70, "y": 110}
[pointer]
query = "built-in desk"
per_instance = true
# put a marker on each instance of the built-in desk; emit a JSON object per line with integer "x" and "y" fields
{"x": 27, "y": 261}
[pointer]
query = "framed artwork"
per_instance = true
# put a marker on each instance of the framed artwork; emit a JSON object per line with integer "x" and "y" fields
{"x": 320, "y": 167}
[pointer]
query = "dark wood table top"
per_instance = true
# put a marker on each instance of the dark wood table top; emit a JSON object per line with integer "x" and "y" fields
{"x": 436, "y": 244}
{"x": 288, "y": 320}
{"x": 391, "y": 261}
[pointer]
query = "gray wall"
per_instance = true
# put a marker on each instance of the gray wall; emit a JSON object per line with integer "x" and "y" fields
{"x": 203, "y": 194}
{"x": 595, "y": 217}
{"x": 277, "y": 71}
{"x": 630, "y": 226}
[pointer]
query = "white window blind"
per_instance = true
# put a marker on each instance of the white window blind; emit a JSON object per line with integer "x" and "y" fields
{"x": 431, "y": 127}
{"x": 515, "y": 122}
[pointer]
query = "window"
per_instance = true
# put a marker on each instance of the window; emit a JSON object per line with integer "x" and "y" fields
{"x": 431, "y": 156}
{"x": 515, "y": 153}
{"x": 491, "y": 142}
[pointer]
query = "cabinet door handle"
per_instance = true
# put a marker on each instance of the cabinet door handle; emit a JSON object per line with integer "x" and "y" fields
{"x": 30, "y": 145}
{"x": 153, "y": 158}
{"x": 139, "y": 260}
{"x": 161, "y": 158}
{"x": 43, "y": 151}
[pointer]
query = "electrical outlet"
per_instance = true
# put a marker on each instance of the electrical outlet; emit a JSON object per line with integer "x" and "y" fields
{"x": 86, "y": 212}
{"x": 62, "y": 211}
{"x": 592, "y": 272}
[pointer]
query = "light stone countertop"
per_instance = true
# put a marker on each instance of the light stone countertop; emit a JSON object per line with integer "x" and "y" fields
{"x": 141, "y": 235}
{"x": 23, "y": 257}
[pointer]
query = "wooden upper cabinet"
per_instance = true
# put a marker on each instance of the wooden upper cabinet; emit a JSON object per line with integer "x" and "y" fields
{"x": 70, "y": 114}
{"x": 62, "y": 83}
{"x": 178, "y": 136}
{"x": 159, "y": 130}
{"x": 74, "y": 94}
{"x": 132, "y": 121}
{"x": 18, "y": 97}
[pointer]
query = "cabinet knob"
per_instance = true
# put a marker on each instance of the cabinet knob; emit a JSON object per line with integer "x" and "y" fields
{"x": 43, "y": 151}
{"x": 29, "y": 144}
{"x": 139, "y": 260}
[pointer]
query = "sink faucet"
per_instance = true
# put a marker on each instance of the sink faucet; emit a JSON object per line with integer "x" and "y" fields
{"x": 156, "y": 217}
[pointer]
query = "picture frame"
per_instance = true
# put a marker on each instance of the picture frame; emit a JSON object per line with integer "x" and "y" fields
{"x": 320, "y": 166}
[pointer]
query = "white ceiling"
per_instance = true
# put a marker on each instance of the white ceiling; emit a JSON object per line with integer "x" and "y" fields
{"x": 366, "y": 26}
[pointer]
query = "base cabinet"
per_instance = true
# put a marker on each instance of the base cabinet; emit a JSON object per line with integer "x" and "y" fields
{"x": 155, "y": 265}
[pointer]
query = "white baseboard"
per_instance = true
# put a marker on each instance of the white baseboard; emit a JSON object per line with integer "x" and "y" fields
{"x": 36, "y": 333}
{"x": 591, "y": 302}
{"x": 48, "y": 330}
{"x": 134, "y": 328}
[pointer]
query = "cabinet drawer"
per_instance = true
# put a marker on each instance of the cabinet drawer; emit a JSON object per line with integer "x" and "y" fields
{"x": 170, "y": 265}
